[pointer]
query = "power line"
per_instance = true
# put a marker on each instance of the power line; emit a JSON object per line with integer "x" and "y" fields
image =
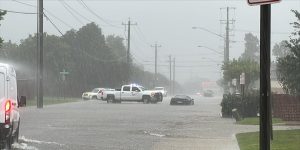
{"x": 66, "y": 24}
{"x": 95, "y": 14}
{"x": 84, "y": 52}
{"x": 53, "y": 24}
{"x": 140, "y": 38}
{"x": 51, "y": 14}
{"x": 180, "y": 66}
{"x": 253, "y": 31}
{"x": 74, "y": 16}
{"x": 24, "y": 3}
{"x": 18, "y": 12}
{"x": 76, "y": 11}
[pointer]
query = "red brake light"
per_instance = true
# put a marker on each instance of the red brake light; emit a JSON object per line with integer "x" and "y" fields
{"x": 7, "y": 106}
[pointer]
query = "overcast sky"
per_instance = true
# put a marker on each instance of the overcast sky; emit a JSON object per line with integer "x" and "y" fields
{"x": 167, "y": 22}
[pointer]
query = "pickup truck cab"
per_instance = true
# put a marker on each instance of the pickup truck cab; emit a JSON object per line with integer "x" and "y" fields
{"x": 9, "y": 112}
{"x": 162, "y": 90}
{"x": 134, "y": 93}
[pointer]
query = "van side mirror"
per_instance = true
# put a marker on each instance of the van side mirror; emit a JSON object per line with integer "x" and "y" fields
{"x": 22, "y": 101}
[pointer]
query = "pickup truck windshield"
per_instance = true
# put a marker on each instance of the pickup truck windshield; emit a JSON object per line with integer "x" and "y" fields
{"x": 95, "y": 91}
{"x": 142, "y": 88}
{"x": 2, "y": 81}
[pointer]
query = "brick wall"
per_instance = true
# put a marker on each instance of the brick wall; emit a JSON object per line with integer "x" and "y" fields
{"x": 286, "y": 107}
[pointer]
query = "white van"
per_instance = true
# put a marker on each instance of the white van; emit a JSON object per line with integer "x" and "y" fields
{"x": 9, "y": 111}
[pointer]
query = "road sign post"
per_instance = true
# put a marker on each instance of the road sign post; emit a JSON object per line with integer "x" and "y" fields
{"x": 265, "y": 61}
{"x": 63, "y": 77}
{"x": 265, "y": 91}
{"x": 242, "y": 83}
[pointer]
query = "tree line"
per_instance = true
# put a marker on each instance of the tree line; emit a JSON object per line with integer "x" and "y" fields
{"x": 90, "y": 58}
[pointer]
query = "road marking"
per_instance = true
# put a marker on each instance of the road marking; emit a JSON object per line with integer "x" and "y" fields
{"x": 22, "y": 138}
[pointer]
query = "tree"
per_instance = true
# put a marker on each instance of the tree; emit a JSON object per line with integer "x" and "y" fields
{"x": 235, "y": 68}
{"x": 251, "y": 48}
{"x": 2, "y": 13}
{"x": 91, "y": 60}
{"x": 288, "y": 67}
{"x": 115, "y": 43}
{"x": 280, "y": 49}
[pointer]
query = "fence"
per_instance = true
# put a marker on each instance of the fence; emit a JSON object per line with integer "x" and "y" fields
{"x": 286, "y": 107}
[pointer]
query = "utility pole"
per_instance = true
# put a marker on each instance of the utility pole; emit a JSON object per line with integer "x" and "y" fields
{"x": 155, "y": 75}
{"x": 170, "y": 79}
{"x": 128, "y": 60}
{"x": 226, "y": 56}
{"x": 40, "y": 53}
{"x": 227, "y": 23}
{"x": 174, "y": 76}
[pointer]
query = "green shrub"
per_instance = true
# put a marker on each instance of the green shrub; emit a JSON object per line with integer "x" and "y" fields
{"x": 246, "y": 106}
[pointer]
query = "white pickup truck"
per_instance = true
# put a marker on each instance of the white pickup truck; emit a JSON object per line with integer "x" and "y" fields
{"x": 133, "y": 93}
{"x": 9, "y": 110}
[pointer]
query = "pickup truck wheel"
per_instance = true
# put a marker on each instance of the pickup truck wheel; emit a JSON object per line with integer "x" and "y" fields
{"x": 145, "y": 100}
{"x": 154, "y": 102}
{"x": 110, "y": 99}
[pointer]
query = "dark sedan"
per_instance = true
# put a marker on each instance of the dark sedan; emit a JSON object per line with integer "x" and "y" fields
{"x": 182, "y": 100}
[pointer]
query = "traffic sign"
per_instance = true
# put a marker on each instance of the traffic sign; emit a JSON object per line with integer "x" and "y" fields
{"x": 262, "y": 2}
{"x": 242, "y": 78}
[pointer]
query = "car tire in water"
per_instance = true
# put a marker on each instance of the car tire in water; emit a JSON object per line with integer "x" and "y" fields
{"x": 8, "y": 142}
{"x": 15, "y": 138}
{"x": 192, "y": 103}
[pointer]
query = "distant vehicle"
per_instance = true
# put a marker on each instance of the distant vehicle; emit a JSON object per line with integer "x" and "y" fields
{"x": 91, "y": 95}
{"x": 162, "y": 90}
{"x": 9, "y": 112}
{"x": 102, "y": 94}
{"x": 133, "y": 93}
{"x": 182, "y": 100}
{"x": 198, "y": 93}
{"x": 208, "y": 93}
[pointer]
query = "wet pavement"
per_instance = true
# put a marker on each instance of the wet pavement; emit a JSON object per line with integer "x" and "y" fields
{"x": 96, "y": 125}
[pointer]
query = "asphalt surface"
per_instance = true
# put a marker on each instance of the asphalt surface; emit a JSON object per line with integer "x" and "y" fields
{"x": 96, "y": 125}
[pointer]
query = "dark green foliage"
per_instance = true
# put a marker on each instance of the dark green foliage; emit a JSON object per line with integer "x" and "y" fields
{"x": 281, "y": 49}
{"x": 246, "y": 107}
{"x": 2, "y": 13}
{"x": 91, "y": 60}
{"x": 251, "y": 48}
{"x": 235, "y": 68}
{"x": 288, "y": 67}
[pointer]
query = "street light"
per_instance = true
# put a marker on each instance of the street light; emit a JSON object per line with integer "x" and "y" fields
{"x": 201, "y": 28}
{"x": 220, "y": 53}
{"x": 211, "y": 32}
{"x": 218, "y": 62}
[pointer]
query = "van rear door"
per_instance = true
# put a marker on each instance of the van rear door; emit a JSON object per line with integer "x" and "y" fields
{"x": 2, "y": 83}
{"x": 2, "y": 92}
